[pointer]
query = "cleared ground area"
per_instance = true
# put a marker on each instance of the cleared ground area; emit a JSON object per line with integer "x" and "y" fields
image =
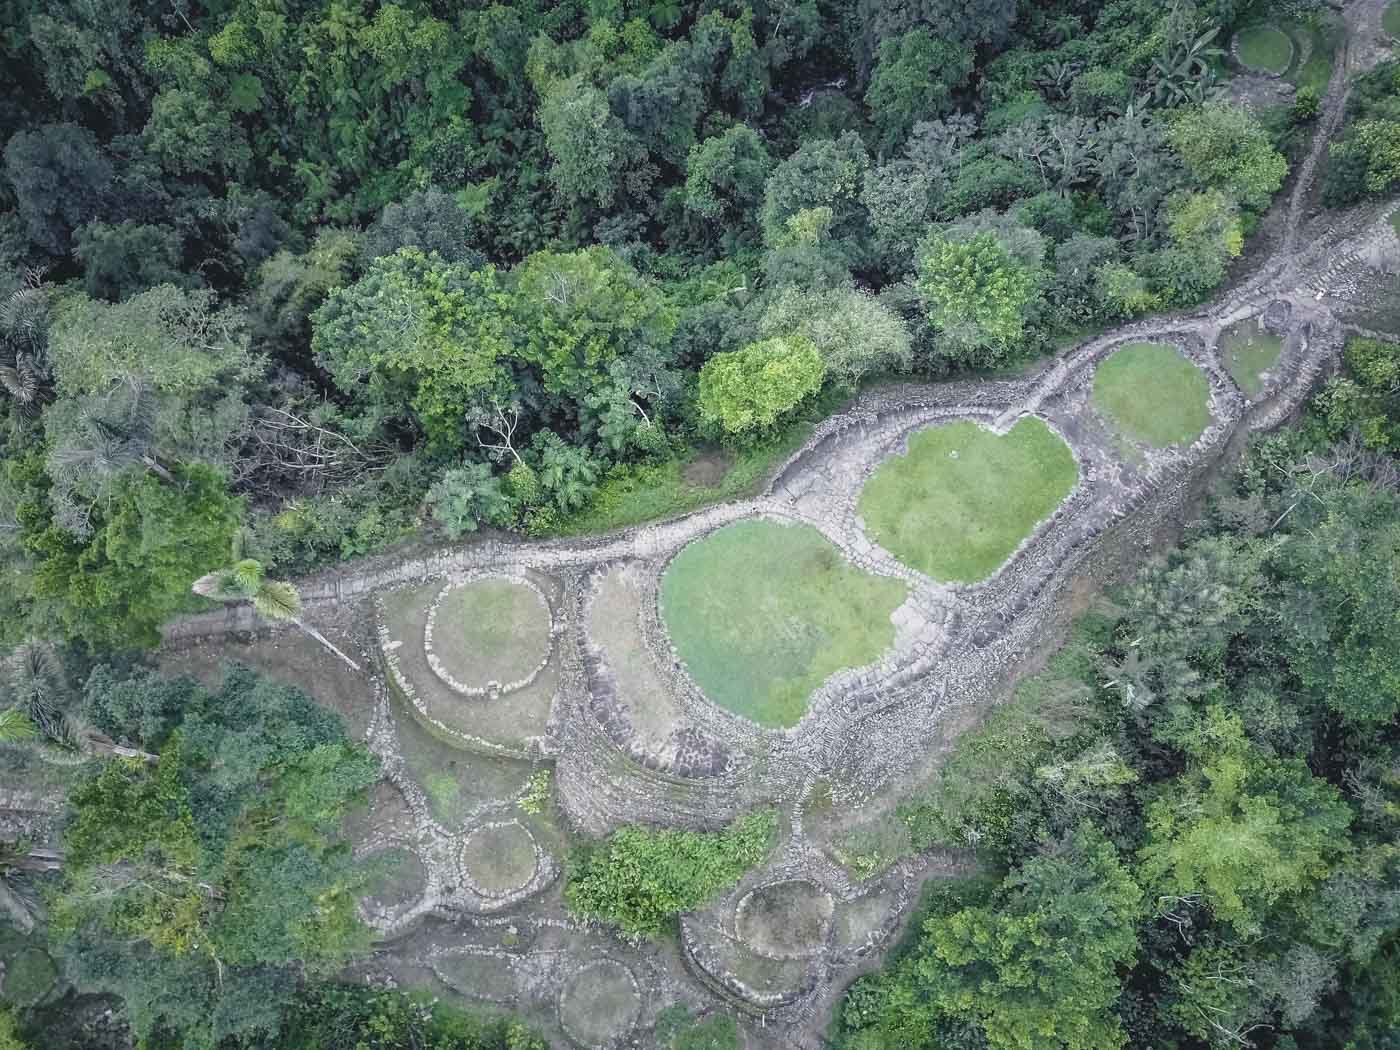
{"x": 1150, "y": 393}
{"x": 963, "y": 498}
{"x": 762, "y": 613}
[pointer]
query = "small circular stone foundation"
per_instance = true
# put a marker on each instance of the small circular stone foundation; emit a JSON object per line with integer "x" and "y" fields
{"x": 785, "y": 920}
{"x": 599, "y": 1005}
{"x": 488, "y": 636}
{"x": 499, "y": 859}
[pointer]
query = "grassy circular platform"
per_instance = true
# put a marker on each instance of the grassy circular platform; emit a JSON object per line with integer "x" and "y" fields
{"x": 963, "y": 498}
{"x": 762, "y": 613}
{"x": 499, "y": 858}
{"x": 599, "y": 1004}
{"x": 492, "y": 630}
{"x": 1390, "y": 19}
{"x": 785, "y": 920}
{"x": 398, "y": 878}
{"x": 1152, "y": 394}
{"x": 1248, "y": 351}
{"x": 1264, "y": 49}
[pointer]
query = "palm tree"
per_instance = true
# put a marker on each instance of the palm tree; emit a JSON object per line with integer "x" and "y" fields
{"x": 246, "y": 581}
{"x": 38, "y": 695}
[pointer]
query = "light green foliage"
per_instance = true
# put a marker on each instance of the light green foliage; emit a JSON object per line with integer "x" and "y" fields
{"x": 1035, "y": 966}
{"x": 226, "y": 851}
{"x": 1207, "y": 232}
{"x": 133, "y": 574}
{"x": 1123, "y": 292}
{"x": 1151, "y": 393}
{"x": 538, "y": 790}
{"x": 1380, "y": 142}
{"x": 9, "y": 1033}
{"x": 976, "y": 295}
{"x": 962, "y": 499}
{"x": 1240, "y": 830}
{"x": 749, "y": 390}
{"x": 914, "y": 79}
{"x": 468, "y": 495}
{"x": 763, "y": 613}
{"x": 640, "y": 879}
{"x": 420, "y": 332}
{"x": 853, "y": 331}
{"x": 580, "y": 311}
{"x": 1226, "y": 148}
{"x": 1367, "y": 398}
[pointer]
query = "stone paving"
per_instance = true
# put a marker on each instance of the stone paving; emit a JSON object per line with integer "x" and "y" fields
{"x": 865, "y": 728}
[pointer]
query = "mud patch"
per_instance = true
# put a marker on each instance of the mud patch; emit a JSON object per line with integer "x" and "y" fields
{"x": 785, "y": 920}
{"x": 599, "y": 1005}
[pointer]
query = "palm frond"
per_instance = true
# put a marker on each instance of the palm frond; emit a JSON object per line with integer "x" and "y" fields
{"x": 15, "y": 726}
{"x": 247, "y": 575}
{"x": 277, "y": 600}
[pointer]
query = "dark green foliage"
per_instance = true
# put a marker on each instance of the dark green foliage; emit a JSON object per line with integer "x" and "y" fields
{"x": 640, "y": 880}
{"x": 1229, "y": 723}
{"x": 348, "y": 1017}
{"x": 197, "y": 886}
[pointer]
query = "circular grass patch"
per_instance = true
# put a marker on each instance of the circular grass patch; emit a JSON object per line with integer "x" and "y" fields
{"x": 1150, "y": 393}
{"x": 1248, "y": 351}
{"x": 499, "y": 858}
{"x": 492, "y": 630}
{"x": 1264, "y": 49}
{"x": 763, "y": 613}
{"x": 785, "y": 920}
{"x": 1390, "y": 19}
{"x": 963, "y": 498}
{"x": 398, "y": 878}
{"x": 600, "y": 1004}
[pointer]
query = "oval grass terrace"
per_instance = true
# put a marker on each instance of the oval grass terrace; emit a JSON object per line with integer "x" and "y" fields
{"x": 963, "y": 497}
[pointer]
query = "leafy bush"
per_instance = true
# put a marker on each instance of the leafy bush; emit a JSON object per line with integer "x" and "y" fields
{"x": 640, "y": 879}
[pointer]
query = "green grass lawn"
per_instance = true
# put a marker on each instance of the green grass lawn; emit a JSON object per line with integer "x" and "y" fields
{"x": 762, "y": 613}
{"x": 1152, "y": 394}
{"x": 963, "y": 498}
{"x": 1390, "y": 20}
{"x": 1315, "y": 72}
{"x": 492, "y": 630}
{"x": 1248, "y": 352}
{"x": 1266, "y": 49}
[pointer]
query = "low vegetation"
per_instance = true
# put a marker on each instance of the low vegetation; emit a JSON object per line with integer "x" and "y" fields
{"x": 763, "y": 613}
{"x": 962, "y": 498}
{"x": 1151, "y": 393}
{"x": 1248, "y": 352}
{"x": 1265, "y": 49}
{"x": 640, "y": 879}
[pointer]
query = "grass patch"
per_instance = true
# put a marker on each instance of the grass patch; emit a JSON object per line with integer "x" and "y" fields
{"x": 763, "y": 613}
{"x": 1153, "y": 394}
{"x": 397, "y": 877}
{"x": 499, "y": 858}
{"x": 29, "y": 972}
{"x": 491, "y": 631}
{"x": 1317, "y": 70}
{"x": 1390, "y": 19}
{"x": 1265, "y": 49}
{"x": 1248, "y": 352}
{"x": 963, "y": 498}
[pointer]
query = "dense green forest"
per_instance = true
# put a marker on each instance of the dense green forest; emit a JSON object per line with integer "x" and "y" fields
{"x": 1190, "y": 819}
{"x": 283, "y": 282}
{"x": 338, "y": 270}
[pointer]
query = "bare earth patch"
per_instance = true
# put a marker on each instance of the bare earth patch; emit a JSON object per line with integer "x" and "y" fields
{"x": 785, "y": 920}
{"x": 599, "y": 1004}
{"x": 499, "y": 858}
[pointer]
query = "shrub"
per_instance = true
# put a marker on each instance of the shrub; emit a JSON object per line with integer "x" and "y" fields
{"x": 640, "y": 879}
